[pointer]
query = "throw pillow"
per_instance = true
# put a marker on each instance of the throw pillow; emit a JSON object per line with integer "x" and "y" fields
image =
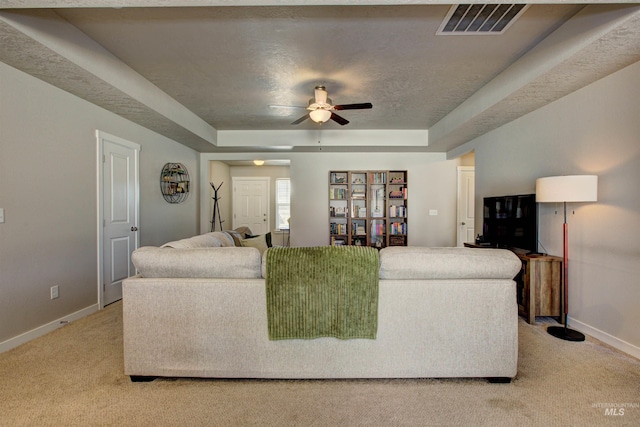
{"x": 244, "y": 231}
{"x": 267, "y": 237}
{"x": 258, "y": 242}
{"x": 237, "y": 238}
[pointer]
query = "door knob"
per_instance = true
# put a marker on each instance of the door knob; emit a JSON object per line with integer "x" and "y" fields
{"x": 134, "y": 228}
{"x": 463, "y": 223}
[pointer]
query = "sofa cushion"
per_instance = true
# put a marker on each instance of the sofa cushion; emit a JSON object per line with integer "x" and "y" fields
{"x": 210, "y": 262}
{"x": 411, "y": 262}
{"x": 225, "y": 239}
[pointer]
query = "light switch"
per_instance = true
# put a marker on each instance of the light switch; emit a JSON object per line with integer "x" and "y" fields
{"x": 1, "y": 215}
{"x": 433, "y": 212}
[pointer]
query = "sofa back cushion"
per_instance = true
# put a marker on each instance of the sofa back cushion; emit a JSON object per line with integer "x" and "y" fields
{"x": 208, "y": 262}
{"x": 214, "y": 239}
{"x": 412, "y": 262}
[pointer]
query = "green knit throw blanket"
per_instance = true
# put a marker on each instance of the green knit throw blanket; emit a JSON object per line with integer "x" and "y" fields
{"x": 325, "y": 291}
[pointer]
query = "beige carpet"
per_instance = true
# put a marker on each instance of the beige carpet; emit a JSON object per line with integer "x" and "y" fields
{"x": 73, "y": 377}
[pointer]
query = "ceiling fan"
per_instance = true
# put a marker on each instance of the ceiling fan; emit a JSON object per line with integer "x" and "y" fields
{"x": 321, "y": 108}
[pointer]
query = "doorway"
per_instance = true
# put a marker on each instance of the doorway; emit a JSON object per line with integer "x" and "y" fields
{"x": 118, "y": 213}
{"x": 251, "y": 203}
{"x": 466, "y": 205}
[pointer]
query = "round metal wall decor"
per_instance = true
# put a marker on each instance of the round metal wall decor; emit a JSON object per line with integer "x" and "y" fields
{"x": 174, "y": 182}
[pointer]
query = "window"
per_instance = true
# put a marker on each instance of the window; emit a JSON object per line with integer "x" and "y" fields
{"x": 283, "y": 204}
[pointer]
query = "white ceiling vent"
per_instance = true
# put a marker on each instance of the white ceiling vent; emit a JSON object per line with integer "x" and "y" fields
{"x": 478, "y": 19}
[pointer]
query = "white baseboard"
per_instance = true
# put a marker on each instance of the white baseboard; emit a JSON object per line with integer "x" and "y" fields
{"x": 45, "y": 329}
{"x": 606, "y": 338}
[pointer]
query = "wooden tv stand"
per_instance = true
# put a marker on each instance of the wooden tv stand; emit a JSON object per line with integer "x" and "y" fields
{"x": 539, "y": 284}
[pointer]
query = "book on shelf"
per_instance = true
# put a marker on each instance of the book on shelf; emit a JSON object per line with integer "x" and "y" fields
{"x": 397, "y": 211}
{"x": 377, "y": 178}
{"x": 358, "y": 193}
{"x": 338, "y": 228}
{"x": 377, "y": 228}
{"x": 398, "y": 228}
{"x": 358, "y": 228}
{"x": 337, "y": 193}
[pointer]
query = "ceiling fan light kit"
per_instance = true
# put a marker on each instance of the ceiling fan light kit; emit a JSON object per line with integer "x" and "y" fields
{"x": 321, "y": 109}
{"x": 320, "y": 116}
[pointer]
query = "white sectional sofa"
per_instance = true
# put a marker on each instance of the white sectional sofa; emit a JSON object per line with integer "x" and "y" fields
{"x": 199, "y": 311}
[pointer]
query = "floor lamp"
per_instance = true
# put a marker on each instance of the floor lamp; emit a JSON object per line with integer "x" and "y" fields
{"x": 571, "y": 188}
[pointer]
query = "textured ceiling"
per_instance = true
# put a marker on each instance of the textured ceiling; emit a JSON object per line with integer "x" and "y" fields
{"x": 228, "y": 64}
{"x": 225, "y": 66}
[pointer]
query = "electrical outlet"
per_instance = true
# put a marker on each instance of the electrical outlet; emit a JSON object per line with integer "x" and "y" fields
{"x": 55, "y": 292}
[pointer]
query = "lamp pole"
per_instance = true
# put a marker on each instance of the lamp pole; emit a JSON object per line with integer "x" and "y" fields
{"x": 563, "y": 332}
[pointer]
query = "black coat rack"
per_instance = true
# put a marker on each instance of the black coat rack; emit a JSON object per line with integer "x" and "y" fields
{"x": 216, "y": 209}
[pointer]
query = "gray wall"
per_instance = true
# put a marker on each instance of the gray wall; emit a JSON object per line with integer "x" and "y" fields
{"x": 48, "y": 175}
{"x": 592, "y": 131}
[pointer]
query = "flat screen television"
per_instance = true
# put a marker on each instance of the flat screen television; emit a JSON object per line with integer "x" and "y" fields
{"x": 511, "y": 222}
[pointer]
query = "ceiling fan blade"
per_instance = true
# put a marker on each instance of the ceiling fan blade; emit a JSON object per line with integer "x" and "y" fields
{"x": 338, "y": 119}
{"x": 287, "y": 106}
{"x": 363, "y": 106}
{"x": 301, "y": 119}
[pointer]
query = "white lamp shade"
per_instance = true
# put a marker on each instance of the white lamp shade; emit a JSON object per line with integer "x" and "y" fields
{"x": 320, "y": 115}
{"x": 569, "y": 188}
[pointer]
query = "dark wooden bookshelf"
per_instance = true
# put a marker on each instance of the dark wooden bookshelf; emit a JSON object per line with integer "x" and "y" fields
{"x": 368, "y": 208}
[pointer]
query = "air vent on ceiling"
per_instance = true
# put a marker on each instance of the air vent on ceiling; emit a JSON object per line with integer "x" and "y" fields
{"x": 480, "y": 19}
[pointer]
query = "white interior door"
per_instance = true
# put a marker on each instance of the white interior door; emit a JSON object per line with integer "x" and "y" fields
{"x": 119, "y": 214}
{"x": 466, "y": 204}
{"x": 251, "y": 204}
